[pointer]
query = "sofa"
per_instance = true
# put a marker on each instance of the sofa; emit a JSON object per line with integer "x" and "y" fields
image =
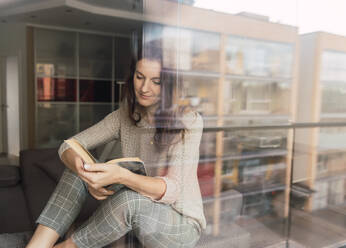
{"x": 26, "y": 188}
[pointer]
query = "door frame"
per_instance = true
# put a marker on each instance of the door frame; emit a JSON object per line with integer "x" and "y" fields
{"x": 3, "y": 106}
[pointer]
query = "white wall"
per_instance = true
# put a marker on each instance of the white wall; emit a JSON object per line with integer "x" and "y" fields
{"x": 12, "y": 100}
{"x": 13, "y": 44}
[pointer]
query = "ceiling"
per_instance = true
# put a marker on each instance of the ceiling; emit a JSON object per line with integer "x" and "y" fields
{"x": 115, "y": 16}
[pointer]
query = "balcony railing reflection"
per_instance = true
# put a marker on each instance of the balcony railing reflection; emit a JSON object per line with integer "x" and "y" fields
{"x": 272, "y": 186}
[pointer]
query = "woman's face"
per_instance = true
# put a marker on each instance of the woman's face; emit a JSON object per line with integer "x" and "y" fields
{"x": 147, "y": 82}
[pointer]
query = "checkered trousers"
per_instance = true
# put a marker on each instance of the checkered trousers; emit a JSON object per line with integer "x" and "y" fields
{"x": 155, "y": 224}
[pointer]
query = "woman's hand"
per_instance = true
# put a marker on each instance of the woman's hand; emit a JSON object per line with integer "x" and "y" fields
{"x": 100, "y": 194}
{"x": 72, "y": 161}
{"x": 99, "y": 175}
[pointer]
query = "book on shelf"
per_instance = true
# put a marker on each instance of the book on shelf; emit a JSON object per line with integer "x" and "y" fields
{"x": 133, "y": 164}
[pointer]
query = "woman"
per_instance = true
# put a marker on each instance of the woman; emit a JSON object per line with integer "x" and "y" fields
{"x": 163, "y": 211}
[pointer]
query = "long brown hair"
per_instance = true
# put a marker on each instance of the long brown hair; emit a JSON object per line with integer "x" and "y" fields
{"x": 167, "y": 117}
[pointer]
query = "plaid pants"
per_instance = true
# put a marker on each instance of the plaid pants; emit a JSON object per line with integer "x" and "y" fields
{"x": 155, "y": 224}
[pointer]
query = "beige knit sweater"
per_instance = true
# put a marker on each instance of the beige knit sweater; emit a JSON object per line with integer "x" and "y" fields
{"x": 182, "y": 191}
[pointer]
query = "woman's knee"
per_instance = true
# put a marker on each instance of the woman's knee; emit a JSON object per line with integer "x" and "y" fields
{"x": 129, "y": 200}
{"x": 72, "y": 178}
{"x": 127, "y": 195}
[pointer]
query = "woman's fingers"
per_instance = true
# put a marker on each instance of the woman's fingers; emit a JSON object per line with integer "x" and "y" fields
{"x": 79, "y": 164}
{"x": 106, "y": 192}
{"x": 90, "y": 178}
{"x": 100, "y": 194}
{"x": 85, "y": 178}
{"x": 95, "y": 167}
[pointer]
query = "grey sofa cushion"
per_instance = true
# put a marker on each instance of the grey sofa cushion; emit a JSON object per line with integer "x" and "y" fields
{"x": 9, "y": 175}
{"x": 41, "y": 170}
{"x": 52, "y": 166}
{"x": 17, "y": 240}
{"x": 14, "y": 215}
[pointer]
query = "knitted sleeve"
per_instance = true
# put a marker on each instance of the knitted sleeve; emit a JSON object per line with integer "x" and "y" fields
{"x": 102, "y": 132}
{"x": 183, "y": 162}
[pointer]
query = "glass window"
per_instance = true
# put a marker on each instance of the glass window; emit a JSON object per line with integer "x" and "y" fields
{"x": 333, "y": 66}
{"x": 122, "y": 57}
{"x": 260, "y": 186}
{"x": 200, "y": 93}
{"x": 333, "y": 82}
{"x": 55, "y": 122}
{"x": 58, "y": 80}
{"x": 92, "y": 113}
{"x": 95, "y": 56}
{"x": 57, "y": 51}
{"x": 258, "y": 58}
{"x": 333, "y": 97}
{"x": 186, "y": 49}
{"x": 257, "y": 97}
{"x": 205, "y": 51}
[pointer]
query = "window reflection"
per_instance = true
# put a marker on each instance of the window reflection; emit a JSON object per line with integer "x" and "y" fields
{"x": 333, "y": 66}
{"x": 205, "y": 51}
{"x": 257, "y": 97}
{"x": 95, "y": 91}
{"x": 61, "y": 120}
{"x": 243, "y": 175}
{"x": 91, "y": 113}
{"x": 56, "y": 48}
{"x": 333, "y": 82}
{"x": 95, "y": 56}
{"x": 56, "y": 89}
{"x": 199, "y": 92}
{"x": 258, "y": 58}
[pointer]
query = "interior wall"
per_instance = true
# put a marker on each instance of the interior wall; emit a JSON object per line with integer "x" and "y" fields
{"x": 12, "y": 100}
{"x": 13, "y": 45}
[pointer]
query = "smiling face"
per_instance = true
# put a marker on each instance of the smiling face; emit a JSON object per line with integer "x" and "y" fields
{"x": 147, "y": 84}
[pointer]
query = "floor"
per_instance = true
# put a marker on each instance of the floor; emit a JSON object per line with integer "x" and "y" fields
{"x": 324, "y": 228}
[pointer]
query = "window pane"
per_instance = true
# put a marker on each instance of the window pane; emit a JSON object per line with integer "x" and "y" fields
{"x": 95, "y": 56}
{"x": 333, "y": 66}
{"x": 56, "y": 49}
{"x": 257, "y": 97}
{"x": 333, "y": 82}
{"x": 199, "y": 92}
{"x": 258, "y": 58}
{"x": 91, "y": 114}
{"x": 122, "y": 58}
{"x": 205, "y": 51}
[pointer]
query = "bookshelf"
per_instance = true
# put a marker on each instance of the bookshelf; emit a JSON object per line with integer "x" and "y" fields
{"x": 79, "y": 73}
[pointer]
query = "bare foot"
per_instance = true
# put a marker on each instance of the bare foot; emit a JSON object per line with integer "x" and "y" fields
{"x": 66, "y": 244}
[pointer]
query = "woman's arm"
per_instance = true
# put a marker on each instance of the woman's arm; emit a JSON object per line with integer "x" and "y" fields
{"x": 183, "y": 162}
{"x": 107, "y": 174}
{"x": 153, "y": 187}
{"x": 181, "y": 169}
{"x": 72, "y": 160}
{"x": 98, "y": 134}
{"x": 102, "y": 132}
{"x": 75, "y": 163}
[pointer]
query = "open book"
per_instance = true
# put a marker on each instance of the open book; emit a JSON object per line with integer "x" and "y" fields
{"x": 133, "y": 164}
